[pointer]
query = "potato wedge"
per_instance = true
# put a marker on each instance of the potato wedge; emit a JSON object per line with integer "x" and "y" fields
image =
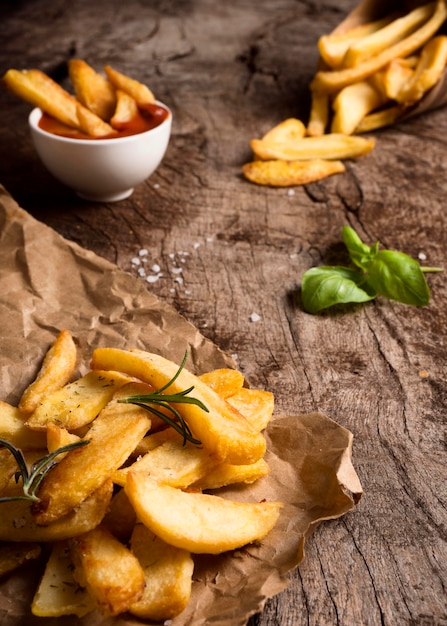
{"x": 334, "y": 146}
{"x": 196, "y": 522}
{"x": 256, "y": 405}
{"x": 17, "y": 522}
{"x": 290, "y": 129}
{"x": 58, "y": 592}
{"x": 282, "y": 173}
{"x": 92, "y": 124}
{"x": 352, "y": 104}
{"x": 319, "y": 114}
{"x": 56, "y": 370}
{"x": 121, "y": 517}
{"x": 168, "y": 575}
{"x": 14, "y": 429}
{"x": 113, "y": 436}
{"x": 224, "y": 381}
{"x": 222, "y": 430}
{"x": 77, "y": 403}
{"x": 225, "y": 474}
{"x": 108, "y": 570}
{"x": 126, "y": 110}
{"x": 58, "y": 437}
{"x": 92, "y": 89}
{"x": 13, "y": 555}
{"x": 140, "y": 92}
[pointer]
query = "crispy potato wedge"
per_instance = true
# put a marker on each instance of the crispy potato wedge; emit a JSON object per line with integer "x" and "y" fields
{"x": 224, "y": 381}
{"x": 256, "y": 405}
{"x": 332, "y": 81}
{"x": 92, "y": 89}
{"x": 77, "y": 403}
{"x": 92, "y": 124}
{"x": 112, "y": 436}
{"x": 153, "y": 440}
{"x": 108, "y": 570}
{"x": 58, "y": 592}
{"x": 121, "y": 517}
{"x": 226, "y": 474}
{"x": 56, "y": 370}
{"x": 290, "y": 129}
{"x": 58, "y": 437}
{"x": 17, "y": 522}
{"x": 126, "y": 111}
{"x": 319, "y": 114}
{"x": 385, "y": 37}
{"x": 168, "y": 575}
{"x": 140, "y": 92}
{"x": 432, "y": 63}
{"x": 333, "y": 146}
{"x": 13, "y": 555}
{"x": 222, "y": 430}
{"x": 281, "y": 173}
{"x": 352, "y": 104}
{"x": 196, "y": 522}
{"x": 14, "y": 429}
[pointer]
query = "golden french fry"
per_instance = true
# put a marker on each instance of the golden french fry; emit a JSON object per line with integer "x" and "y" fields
{"x": 196, "y": 522}
{"x": 427, "y": 73}
{"x": 225, "y": 474}
{"x": 91, "y": 88}
{"x": 112, "y": 436}
{"x": 352, "y": 104}
{"x": 393, "y": 77}
{"x": 224, "y": 381}
{"x": 221, "y": 429}
{"x": 108, "y": 570}
{"x": 333, "y": 146}
{"x": 333, "y": 81}
{"x": 288, "y": 130}
{"x": 17, "y": 522}
{"x": 58, "y": 592}
{"x": 56, "y": 370}
{"x": 379, "y": 119}
{"x": 319, "y": 114}
{"x": 140, "y": 92}
{"x": 126, "y": 110}
{"x": 281, "y": 173}
{"x": 333, "y": 47}
{"x": 14, "y": 429}
{"x": 385, "y": 37}
{"x": 256, "y": 405}
{"x": 92, "y": 124}
{"x": 168, "y": 575}
{"x": 13, "y": 555}
{"x": 77, "y": 403}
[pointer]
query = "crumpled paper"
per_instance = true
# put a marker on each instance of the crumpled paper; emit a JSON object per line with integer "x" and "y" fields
{"x": 371, "y": 10}
{"x": 48, "y": 283}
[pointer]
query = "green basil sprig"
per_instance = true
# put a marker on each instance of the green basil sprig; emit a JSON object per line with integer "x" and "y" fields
{"x": 375, "y": 272}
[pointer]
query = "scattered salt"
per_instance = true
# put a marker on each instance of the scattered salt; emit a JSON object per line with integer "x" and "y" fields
{"x": 196, "y": 245}
{"x": 254, "y": 317}
{"x": 291, "y": 192}
{"x": 143, "y": 252}
{"x": 141, "y": 271}
{"x": 156, "y": 268}
{"x": 422, "y": 256}
{"x": 177, "y": 270}
{"x": 135, "y": 261}
{"x": 153, "y": 278}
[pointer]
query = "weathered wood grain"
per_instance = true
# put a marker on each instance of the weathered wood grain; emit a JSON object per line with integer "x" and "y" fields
{"x": 228, "y": 249}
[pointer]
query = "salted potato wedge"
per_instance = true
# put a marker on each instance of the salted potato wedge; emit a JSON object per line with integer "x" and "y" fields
{"x": 14, "y": 429}
{"x": 256, "y": 405}
{"x": 140, "y": 92}
{"x": 352, "y": 104}
{"x": 333, "y": 146}
{"x": 58, "y": 592}
{"x": 56, "y": 370}
{"x": 168, "y": 576}
{"x": 92, "y": 89}
{"x": 290, "y": 129}
{"x": 77, "y": 403}
{"x": 108, "y": 570}
{"x": 428, "y": 72}
{"x": 196, "y": 522}
{"x": 282, "y": 173}
{"x": 17, "y": 521}
{"x": 13, "y": 555}
{"x": 225, "y": 474}
{"x": 224, "y": 381}
{"x": 222, "y": 430}
{"x": 112, "y": 437}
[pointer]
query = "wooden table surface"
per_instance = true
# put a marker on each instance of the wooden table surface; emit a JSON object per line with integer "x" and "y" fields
{"x": 232, "y": 255}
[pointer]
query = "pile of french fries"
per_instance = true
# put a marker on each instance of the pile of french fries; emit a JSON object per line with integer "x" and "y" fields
{"x": 100, "y": 107}
{"x": 123, "y": 516}
{"x": 369, "y": 77}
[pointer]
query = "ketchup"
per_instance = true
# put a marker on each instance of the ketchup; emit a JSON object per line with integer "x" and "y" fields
{"x": 149, "y": 116}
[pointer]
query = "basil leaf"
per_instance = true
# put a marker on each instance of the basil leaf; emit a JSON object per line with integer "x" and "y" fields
{"x": 397, "y": 276}
{"x": 360, "y": 253}
{"x": 325, "y": 286}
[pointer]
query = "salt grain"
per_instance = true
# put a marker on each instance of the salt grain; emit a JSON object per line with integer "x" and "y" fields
{"x": 291, "y": 192}
{"x": 155, "y": 268}
{"x": 143, "y": 252}
{"x": 135, "y": 261}
{"x": 177, "y": 270}
{"x": 254, "y": 317}
{"x": 422, "y": 256}
{"x": 153, "y": 278}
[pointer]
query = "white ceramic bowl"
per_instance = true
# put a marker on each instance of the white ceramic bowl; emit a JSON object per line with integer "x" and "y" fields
{"x": 101, "y": 170}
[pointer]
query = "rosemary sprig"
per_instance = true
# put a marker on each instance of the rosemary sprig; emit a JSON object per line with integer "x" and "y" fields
{"x": 33, "y": 476}
{"x": 150, "y": 401}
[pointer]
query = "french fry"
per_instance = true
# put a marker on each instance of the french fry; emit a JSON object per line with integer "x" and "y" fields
{"x": 13, "y": 555}
{"x": 222, "y": 430}
{"x": 14, "y": 430}
{"x": 290, "y": 129}
{"x": 92, "y": 89}
{"x": 56, "y": 370}
{"x": 256, "y": 405}
{"x": 319, "y": 114}
{"x": 140, "y": 92}
{"x": 224, "y": 381}
{"x": 385, "y": 37}
{"x": 199, "y": 523}
{"x": 379, "y": 119}
{"x": 394, "y": 76}
{"x": 427, "y": 73}
{"x": 168, "y": 576}
{"x": 58, "y": 437}
{"x": 108, "y": 570}
{"x": 126, "y": 110}
{"x": 330, "y": 82}
{"x": 58, "y": 592}
{"x": 92, "y": 124}
{"x": 329, "y": 147}
{"x": 281, "y": 173}
{"x": 352, "y": 104}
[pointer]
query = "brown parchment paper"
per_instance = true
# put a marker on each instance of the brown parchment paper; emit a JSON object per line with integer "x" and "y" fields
{"x": 371, "y": 10}
{"x": 48, "y": 283}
